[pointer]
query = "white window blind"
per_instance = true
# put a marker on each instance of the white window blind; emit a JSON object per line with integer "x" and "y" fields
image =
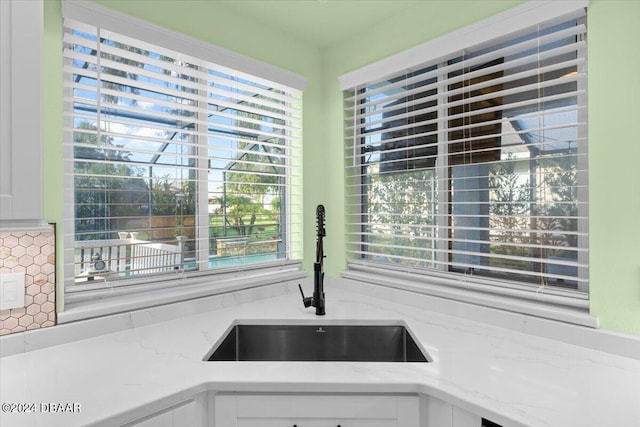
{"x": 173, "y": 163}
{"x": 474, "y": 165}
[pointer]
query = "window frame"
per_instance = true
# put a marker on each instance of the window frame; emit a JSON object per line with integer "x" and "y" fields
{"x": 110, "y": 297}
{"x": 503, "y": 293}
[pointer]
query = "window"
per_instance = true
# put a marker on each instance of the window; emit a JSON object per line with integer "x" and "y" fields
{"x": 471, "y": 166}
{"x": 177, "y": 166}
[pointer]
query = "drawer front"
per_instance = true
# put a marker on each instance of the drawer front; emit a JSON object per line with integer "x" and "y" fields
{"x": 316, "y": 410}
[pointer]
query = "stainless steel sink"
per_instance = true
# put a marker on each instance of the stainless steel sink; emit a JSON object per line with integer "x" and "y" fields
{"x": 354, "y": 343}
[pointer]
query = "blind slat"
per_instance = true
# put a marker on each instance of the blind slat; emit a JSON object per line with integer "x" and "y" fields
{"x": 511, "y": 52}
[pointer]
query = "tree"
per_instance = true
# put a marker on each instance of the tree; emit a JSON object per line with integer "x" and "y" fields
{"x": 257, "y": 170}
{"x": 119, "y": 72}
{"x": 509, "y": 201}
{"x": 561, "y": 211}
{"x": 402, "y": 211}
{"x": 509, "y": 210}
{"x": 106, "y": 187}
{"x": 557, "y": 217}
{"x": 549, "y": 210}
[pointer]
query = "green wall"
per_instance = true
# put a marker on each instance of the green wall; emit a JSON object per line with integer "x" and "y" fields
{"x": 614, "y": 167}
{"x": 613, "y": 85}
{"x": 53, "y": 171}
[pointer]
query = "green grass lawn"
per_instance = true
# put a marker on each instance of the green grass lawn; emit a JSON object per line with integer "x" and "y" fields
{"x": 264, "y": 227}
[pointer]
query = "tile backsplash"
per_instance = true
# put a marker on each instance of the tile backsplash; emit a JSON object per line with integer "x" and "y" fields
{"x": 34, "y": 254}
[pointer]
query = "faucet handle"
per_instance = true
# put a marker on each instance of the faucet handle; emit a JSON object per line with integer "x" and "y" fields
{"x": 305, "y": 300}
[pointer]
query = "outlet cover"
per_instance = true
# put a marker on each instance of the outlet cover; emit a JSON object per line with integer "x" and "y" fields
{"x": 11, "y": 290}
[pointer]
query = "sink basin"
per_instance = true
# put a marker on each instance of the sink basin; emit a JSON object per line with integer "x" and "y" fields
{"x": 353, "y": 343}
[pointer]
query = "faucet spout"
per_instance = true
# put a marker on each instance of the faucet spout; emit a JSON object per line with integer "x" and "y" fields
{"x": 317, "y": 300}
{"x": 318, "y": 289}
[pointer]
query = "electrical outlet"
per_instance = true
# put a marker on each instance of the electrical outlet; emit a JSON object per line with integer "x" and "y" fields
{"x": 11, "y": 290}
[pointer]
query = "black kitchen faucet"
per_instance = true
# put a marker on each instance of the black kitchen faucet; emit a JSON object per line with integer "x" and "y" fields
{"x": 317, "y": 300}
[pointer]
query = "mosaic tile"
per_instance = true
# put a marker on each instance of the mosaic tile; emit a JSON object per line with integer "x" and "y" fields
{"x": 34, "y": 254}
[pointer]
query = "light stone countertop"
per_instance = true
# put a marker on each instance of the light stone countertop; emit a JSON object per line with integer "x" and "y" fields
{"x": 513, "y": 378}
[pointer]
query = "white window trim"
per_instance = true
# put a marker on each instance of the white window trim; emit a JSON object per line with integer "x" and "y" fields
{"x": 554, "y": 306}
{"x": 527, "y": 15}
{"x": 110, "y": 297}
{"x": 109, "y": 301}
{"x": 565, "y": 306}
{"x": 96, "y": 15}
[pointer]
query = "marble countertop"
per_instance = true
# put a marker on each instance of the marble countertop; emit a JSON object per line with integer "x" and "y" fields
{"x": 510, "y": 377}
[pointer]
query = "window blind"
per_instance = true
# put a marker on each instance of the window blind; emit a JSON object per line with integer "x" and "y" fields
{"x": 173, "y": 163}
{"x": 475, "y": 164}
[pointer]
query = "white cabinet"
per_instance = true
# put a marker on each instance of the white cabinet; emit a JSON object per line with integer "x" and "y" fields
{"x": 164, "y": 419}
{"x": 186, "y": 414}
{"x": 462, "y": 418}
{"x": 438, "y": 413}
{"x": 211, "y": 409}
{"x": 21, "y": 59}
{"x": 316, "y": 410}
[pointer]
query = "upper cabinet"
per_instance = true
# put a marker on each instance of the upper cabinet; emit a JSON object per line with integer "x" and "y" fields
{"x": 21, "y": 63}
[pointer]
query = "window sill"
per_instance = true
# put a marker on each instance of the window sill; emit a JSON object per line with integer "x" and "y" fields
{"x": 545, "y": 306}
{"x": 104, "y": 302}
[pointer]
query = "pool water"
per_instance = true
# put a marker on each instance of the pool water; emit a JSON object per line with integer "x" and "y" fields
{"x": 220, "y": 262}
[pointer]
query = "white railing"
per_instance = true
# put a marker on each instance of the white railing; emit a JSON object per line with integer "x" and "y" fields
{"x": 124, "y": 258}
{"x": 155, "y": 257}
{"x": 114, "y": 253}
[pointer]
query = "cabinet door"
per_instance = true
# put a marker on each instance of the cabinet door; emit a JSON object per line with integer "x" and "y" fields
{"x": 21, "y": 112}
{"x": 316, "y": 410}
{"x": 462, "y": 418}
{"x": 315, "y": 422}
{"x": 187, "y": 414}
{"x": 438, "y": 413}
{"x": 162, "y": 420}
